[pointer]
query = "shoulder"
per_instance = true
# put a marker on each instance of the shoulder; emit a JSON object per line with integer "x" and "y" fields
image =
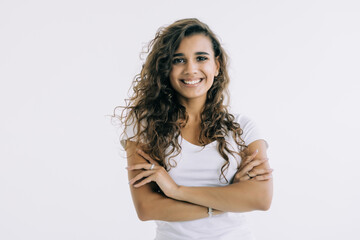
{"x": 246, "y": 123}
{"x": 242, "y": 119}
{"x": 130, "y": 130}
{"x": 251, "y": 132}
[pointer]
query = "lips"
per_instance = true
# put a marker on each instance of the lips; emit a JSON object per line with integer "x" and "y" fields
{"x": 191, "y": 81}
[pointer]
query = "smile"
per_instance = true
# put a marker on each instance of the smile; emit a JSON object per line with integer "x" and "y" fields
{"x": 192, "y": 82}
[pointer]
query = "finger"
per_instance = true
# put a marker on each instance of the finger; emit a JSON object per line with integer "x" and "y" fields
{"x": 251, "y": 165}
{"x": 259, "y": 174}
{"x": 147, "y": 157}
{"x": 252, "y": 155}
{"x": 260, "y": 171}
{"x": 257, "y": 162}
{"x": 245, "y": 161}
{"x": 255, "y": 173}
{"x": 248, "y": 168}
{"x": 145, "y": 166}
{"x": 248, "y": 158}
{"x": 236, "y": 178}
{"x": 143, "y": 182}
{"x": 263, "y": 177}
{"x": 241, "y": 173}
{"x": 244, "y": 178}
{"x": 140, "y": 176}
{"x": 242, "y": 154}
{"x": 255, "y": 152}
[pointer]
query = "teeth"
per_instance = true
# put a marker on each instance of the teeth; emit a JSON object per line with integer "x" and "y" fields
{"x": 192, "y": 82}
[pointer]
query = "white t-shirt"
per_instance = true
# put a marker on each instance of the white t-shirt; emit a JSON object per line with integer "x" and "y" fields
{"x": 201, "y": 166}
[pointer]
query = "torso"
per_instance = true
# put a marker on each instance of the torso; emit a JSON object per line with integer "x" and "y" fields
{"x": 200, "y": 166}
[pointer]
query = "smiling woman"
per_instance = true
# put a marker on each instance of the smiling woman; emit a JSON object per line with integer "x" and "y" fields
{"x": 192, "y": 166}
{"x": 194, "y": 68}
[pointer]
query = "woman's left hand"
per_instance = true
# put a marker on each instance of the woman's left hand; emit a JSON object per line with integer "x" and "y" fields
{"x": 247, "y": 170}
{"x": 153, "y": 172}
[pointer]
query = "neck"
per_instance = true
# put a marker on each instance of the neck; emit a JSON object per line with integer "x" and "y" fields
{"x": 194, "y": 108}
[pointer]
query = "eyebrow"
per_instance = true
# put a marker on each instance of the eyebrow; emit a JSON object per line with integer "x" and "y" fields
{"x": 197, "y": 53}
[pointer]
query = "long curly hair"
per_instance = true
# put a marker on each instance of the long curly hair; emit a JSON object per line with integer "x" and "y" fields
{"x": 155, "y": 111}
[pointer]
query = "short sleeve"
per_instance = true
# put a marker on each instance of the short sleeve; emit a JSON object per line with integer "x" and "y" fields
{"x": 129, "y": 131}
{"x": 251, "y": 132}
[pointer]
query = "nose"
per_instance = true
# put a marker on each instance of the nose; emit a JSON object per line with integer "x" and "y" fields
{"x": 191, "y": 67}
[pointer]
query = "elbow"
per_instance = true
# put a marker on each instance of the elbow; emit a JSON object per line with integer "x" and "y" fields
{"x": 267, "y": 196}
{"x": 264, "y": 198}
{"x": 264, "y": 205}
{"x": 142, "y": 217}
{"x": 143, "y": 212}
{"x": 264, "y": 202}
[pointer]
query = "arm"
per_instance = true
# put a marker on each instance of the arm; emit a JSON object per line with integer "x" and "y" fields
{"x": 237, "y": 197}
{"x": 151, "y": 205}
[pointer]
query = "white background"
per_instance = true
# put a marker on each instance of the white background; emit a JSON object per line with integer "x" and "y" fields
{"x": 65, "y": 65}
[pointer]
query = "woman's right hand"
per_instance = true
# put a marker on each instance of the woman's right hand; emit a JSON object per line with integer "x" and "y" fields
{"x": 247, "y": 170}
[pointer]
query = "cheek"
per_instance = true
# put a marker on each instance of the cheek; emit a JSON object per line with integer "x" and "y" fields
{"x": 172, "y": 78}
{"x": 212, "y": 69}
{"x": 174, "y": 73}
{"x": 172, "y": 83}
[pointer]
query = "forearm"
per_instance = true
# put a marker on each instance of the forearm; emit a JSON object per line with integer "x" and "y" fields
{"x": 238, "y": 197}
{"x": 163, "y": 208}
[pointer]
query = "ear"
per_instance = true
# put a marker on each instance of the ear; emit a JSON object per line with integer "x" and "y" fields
{"x": 217, "y": 66}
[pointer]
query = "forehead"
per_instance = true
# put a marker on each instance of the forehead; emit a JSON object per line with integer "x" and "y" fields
{"x": 195, "y": 43}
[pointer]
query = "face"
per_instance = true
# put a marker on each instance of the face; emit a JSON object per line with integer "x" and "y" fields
{"x": 193, "y": 68}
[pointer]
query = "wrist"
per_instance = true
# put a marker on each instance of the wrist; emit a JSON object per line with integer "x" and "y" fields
{"x": 179, "y": 193}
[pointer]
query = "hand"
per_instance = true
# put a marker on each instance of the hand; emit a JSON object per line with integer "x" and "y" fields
{"x": 153, "y": 172}
{"x": 247, "y": 170}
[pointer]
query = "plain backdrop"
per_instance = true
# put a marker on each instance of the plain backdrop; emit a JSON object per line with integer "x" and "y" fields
{"x": 65, "y": 65}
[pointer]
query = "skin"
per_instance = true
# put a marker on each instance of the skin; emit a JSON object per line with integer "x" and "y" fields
{"x": 194, "y": 59}
{"x": 152, "y": 205}
{"x": 251, "y": 188}
{"x": 241, "y": 196}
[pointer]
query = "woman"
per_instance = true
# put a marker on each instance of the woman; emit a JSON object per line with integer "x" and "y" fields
{"x": 192, "y": 166}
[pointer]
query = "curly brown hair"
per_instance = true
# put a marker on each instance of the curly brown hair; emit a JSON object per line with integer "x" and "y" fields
{"x": 158, "y": 115}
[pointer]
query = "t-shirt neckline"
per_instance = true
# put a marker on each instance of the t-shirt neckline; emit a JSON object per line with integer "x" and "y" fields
{"x": 194, "y": 145}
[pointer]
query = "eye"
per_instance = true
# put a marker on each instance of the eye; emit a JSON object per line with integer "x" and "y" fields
{"x": 178, "y": 60}
{"x": 201, "y": 58}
